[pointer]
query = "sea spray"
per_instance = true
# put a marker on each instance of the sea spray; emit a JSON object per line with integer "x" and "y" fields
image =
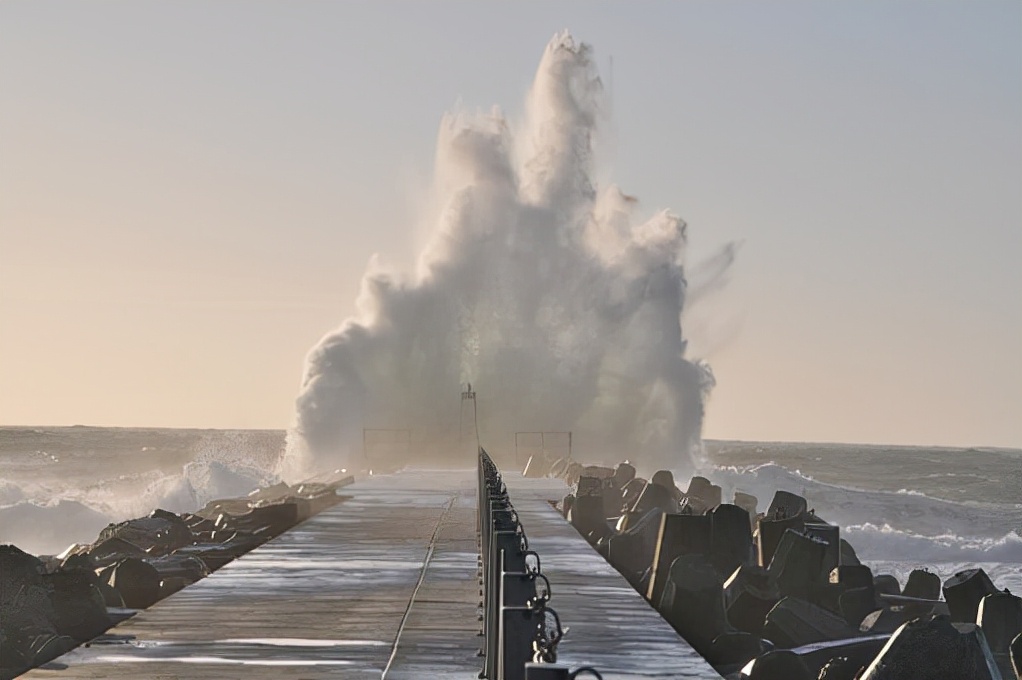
{"x": 543, "y": 290}
{"x": 49, "y": 502}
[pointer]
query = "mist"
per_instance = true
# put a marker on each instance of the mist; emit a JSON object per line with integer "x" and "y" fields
{"x": 552, "y": 295}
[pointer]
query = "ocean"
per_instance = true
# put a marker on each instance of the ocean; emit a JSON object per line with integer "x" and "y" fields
{"x": 901, "y": 507}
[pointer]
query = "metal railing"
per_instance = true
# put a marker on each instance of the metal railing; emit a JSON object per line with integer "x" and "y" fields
{"x": 559, "y": 444}
{"x": 517, "y": 625}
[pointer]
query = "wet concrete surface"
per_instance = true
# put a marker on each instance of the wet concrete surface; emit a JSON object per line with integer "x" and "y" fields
{"x": 611, "y": 627}
{"x": 383, "y": 585}
{"x": 342, "y": 595}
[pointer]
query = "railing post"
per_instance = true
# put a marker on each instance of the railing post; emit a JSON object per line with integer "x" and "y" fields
{"x": 514, "y": 613}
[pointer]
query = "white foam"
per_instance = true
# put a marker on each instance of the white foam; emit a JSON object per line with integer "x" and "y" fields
{"x": 10, "y": 493}
{"x": 553, "y": 296}
{"x": 899, "y": 530}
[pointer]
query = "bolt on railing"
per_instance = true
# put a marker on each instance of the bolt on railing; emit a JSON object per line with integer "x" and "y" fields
{"x": 517, "y": 625}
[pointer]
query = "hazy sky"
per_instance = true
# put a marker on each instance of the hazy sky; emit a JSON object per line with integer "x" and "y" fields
{"x": 189, "y": 193}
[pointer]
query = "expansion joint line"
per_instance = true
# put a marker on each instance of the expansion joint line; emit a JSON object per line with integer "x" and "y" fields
{"x": 422, "y": 577}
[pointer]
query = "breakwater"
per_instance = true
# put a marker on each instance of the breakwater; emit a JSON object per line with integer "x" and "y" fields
{"x": 51, "y": 604}
{"x": 779, "y": 593}
{"x": 385, "y": 584}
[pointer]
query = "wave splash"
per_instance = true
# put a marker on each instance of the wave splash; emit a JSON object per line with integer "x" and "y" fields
{"x": 55, "y": 509}
{"x": 538, "y": 287}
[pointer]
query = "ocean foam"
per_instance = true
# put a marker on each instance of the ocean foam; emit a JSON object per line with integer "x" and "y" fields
{"x": 554, "y": 296}
{"x": 899, "y": 530}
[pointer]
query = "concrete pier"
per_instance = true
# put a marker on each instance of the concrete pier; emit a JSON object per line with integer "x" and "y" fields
{"x": 384, "y": 585}
{"x": 611, "y": 626}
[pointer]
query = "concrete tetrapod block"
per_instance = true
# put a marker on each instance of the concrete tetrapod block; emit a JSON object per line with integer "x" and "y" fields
{"x": 831, "y": 535}
{"x": 188, "y": 567}
{"x": 677, "y": 535}
{"x": 216, "y": 554}
{"x": 702, "y": 494}
{"x": 137, "y": 581}
{"x": 111, "y": 597}
{"x": 748, "y": 502}
{"x": 665, "y": 478}
{"x": 730, "y": 538}
{"x": 935, "y": 649}
{"x": 1016, "y": 656}
{"x": 840, "y": 580}
{"x": 797, "y": 563}
{"x": 883, "y": 621}
{"x": 851, "y": 655}
{"x": 630, "y": 492}
{"x": 787, "y": 504}
{"x": 46, "y": 647}
{"x": 197, "y": 523}
{"x": 748, "y": 598}
{"x": 839, "y": 668}
{"x": 78, "y": 604}
{"x": 848, "y": 555}
{"x": 654, "y": 497}
{"x": 172, "y": 584}
{"x": 794, "y": 623}
{"x": 599, "y": 471}
{"x": 586, "y": 515}
{"x": 623, "y": 473}
{"x": 922, "y": 584}
{"x": 852, "y": 576}
{"x": 826, "y": 595}
{"x": 732, "y": 650}
{"x": 14, "y": 656}
{"x": 612, "y": 502}
{"x": 277, "y": 517}
{"x": 107, "y": 552}
{"x": 598, "y": 482}
{"x": 857, "y": 604}
{"x": 964, "y": 591}
{"x": 566, "y": 504}
{"x": 779, "y": 664}
{"x": 631, "y": 552}
{"x": 611, "y": 495}
{"x": 157, "y": 534}
{"x": 769, "y": 533}
{"x": 886, "y": 584}
{"x": 1000, "y": 617}
{"x": 25, "y": 602}
{"x": 588, "y": 485}
{"x": 693, "y": 601}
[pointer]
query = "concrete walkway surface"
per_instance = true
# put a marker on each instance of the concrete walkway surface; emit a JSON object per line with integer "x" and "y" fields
{"x": 383, "y": 585}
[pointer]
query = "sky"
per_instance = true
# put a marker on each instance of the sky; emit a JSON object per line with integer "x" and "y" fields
{"x": 190, "y": 192}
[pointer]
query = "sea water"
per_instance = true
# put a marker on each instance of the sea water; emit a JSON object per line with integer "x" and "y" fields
{"x": 900, "y": 507}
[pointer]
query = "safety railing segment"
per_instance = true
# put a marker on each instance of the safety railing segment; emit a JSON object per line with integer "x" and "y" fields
{"x": 518, "y": 626}
{"x": 520, "y": 631}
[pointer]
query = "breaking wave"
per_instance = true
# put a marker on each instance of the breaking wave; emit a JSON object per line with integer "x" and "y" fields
{"x": 50, "y": 509}
{"x": 886, "y": 542}
{"x": 547, "y": 292}
{"x": 896, "y": 531}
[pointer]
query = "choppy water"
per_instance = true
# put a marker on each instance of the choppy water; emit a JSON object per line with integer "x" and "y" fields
{"x": 63, "y": 485}
{"x": 901, "y": 507}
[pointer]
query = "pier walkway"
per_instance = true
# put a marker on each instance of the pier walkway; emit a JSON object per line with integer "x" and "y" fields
{"x": 384, "y": 585}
